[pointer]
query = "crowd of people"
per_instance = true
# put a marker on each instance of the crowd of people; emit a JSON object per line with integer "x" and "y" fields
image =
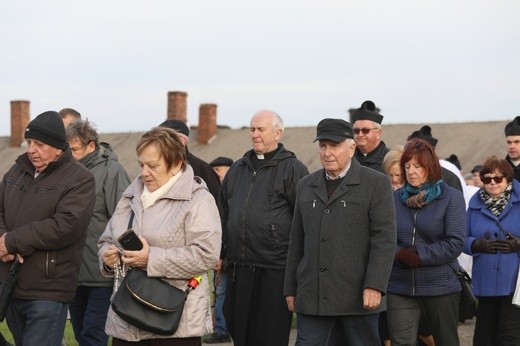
{"x": 364, "y": 251}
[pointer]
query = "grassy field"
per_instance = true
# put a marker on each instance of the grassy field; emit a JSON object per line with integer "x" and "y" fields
{"x": 69, "y": 334}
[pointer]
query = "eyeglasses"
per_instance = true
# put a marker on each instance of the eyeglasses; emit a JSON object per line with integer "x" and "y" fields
{"x": 487, "y": 180}
{"x": 365, "y": 130}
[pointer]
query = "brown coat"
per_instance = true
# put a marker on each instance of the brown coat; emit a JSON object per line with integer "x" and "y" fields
{"x": 46, "y": 220}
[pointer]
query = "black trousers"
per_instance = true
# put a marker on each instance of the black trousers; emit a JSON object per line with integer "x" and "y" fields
{"x": 497, "y": 323}
{"x": 255, "y": 308}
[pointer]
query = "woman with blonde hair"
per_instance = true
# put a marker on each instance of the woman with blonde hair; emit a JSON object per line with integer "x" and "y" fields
{"x": 392, "y": 167}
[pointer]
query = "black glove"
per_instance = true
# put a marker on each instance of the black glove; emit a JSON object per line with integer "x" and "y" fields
{"x": 409, "y": 257}
{"x": 511, "y": 244}
{"x": 484, "y": 245}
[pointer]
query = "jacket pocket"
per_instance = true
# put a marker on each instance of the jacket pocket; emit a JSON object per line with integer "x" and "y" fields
{"x": 50, "y": 265}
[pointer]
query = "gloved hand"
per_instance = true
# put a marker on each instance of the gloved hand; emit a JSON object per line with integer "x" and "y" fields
{"x": 511, "y": 244}
{"x": 484, "y": 245}
{"x": 409, "y": 257}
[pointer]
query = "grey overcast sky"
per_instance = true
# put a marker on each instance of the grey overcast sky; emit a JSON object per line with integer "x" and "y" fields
{"x": 420, "y": 61}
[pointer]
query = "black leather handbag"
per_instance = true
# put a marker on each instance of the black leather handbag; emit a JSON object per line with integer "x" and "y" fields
{"x": 468, "y": 301}
{"x": 149, "y": 304}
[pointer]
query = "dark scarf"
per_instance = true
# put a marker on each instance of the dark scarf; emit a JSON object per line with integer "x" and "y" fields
{"x": 419, "y": 197}
{"x": 496, "y": 205}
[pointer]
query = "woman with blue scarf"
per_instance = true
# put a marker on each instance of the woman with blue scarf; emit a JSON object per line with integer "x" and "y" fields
{"x": 430, "y": 236}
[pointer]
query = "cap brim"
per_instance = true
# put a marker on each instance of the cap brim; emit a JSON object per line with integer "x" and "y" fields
{"x": 333, "y": 138}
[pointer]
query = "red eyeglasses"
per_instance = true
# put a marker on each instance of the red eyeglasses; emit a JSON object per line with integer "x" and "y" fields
{"x": 487, "y": 180}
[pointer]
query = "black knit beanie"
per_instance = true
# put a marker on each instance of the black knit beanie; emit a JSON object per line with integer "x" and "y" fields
{"x": 48, "y": 128}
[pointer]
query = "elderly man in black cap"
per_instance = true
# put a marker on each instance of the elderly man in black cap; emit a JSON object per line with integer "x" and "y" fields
{"x": 370, "y": 149}
{"x": 46, "y": 203}
{"x": 200, "y": 167}
{"x": 512, "y": 132}
{"x": 343, "y": 240}
{"x": 221, "y": 166}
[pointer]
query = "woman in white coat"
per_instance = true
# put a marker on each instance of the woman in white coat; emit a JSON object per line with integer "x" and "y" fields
{"x": 179, "y": 225}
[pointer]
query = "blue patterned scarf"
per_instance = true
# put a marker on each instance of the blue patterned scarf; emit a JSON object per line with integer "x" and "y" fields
{"x": 419, "y": 197}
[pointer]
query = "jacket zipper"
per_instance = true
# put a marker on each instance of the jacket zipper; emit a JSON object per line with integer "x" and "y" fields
{"x": 47, "y": 264}
{"x": 244, "y": 216}
{"x": 413, "y": 244}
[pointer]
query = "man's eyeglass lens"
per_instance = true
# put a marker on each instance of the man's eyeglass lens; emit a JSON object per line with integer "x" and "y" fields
{"x": 364, "y": 130}
{"x": 487, "y": 180}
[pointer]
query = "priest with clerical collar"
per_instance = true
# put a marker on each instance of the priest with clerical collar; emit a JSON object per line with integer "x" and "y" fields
{"x": 257, "y": 202}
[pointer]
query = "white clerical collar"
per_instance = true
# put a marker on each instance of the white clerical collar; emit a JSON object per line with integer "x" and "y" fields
{"x": 341, "y": 176}
{"x": 515, "y": 162}
{"x": 260, "y": 156}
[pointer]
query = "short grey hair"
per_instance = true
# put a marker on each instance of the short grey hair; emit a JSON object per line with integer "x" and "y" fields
{"x": 277, "y": 120}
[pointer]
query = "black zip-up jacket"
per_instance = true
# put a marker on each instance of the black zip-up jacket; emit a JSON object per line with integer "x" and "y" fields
{"x": 373, "y": 159}
{"x": 45, "y": 220}
{"x": 516, "y": 169}
{"x": 257, "y": 208}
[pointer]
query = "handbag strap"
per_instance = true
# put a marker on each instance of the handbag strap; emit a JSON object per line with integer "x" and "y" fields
{"x": 192, "y": 283}
{"x": 502, "y": 230}
{"x": 459, "y": 273}
{"x": 131, "y": 221}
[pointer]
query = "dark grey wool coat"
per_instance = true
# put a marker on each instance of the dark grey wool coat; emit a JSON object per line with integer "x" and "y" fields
{"x": 342, "y": 245}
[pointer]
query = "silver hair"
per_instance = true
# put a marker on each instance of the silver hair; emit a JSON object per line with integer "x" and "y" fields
{"x": 277, "y": 120}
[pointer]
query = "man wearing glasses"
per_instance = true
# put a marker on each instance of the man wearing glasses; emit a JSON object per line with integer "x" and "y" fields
{"x": 512, "y": 132}
{"x": 370, "y": 149}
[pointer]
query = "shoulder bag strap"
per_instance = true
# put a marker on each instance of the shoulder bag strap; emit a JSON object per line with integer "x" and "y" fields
{"x": 131, "y": 221}
{"x": 502, "y": 230}
{"x": 458, "y": 272}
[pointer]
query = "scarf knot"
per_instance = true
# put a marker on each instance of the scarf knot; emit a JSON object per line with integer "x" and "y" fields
{"x": 419, "y": 197}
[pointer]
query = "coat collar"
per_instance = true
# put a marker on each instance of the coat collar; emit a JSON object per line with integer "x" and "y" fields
{"x": 183, "y": 189}
{"x": 353, "y": 177}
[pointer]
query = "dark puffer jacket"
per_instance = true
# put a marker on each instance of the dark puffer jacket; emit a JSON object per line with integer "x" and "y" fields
{"x": 45, "y": 220}
{"x": 257, "y": 209}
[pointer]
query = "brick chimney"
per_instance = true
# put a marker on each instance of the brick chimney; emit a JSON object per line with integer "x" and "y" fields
{"x": 20, "y": 117}
{"x": 177, "y": 105}
{"x": 207, "y": 123}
